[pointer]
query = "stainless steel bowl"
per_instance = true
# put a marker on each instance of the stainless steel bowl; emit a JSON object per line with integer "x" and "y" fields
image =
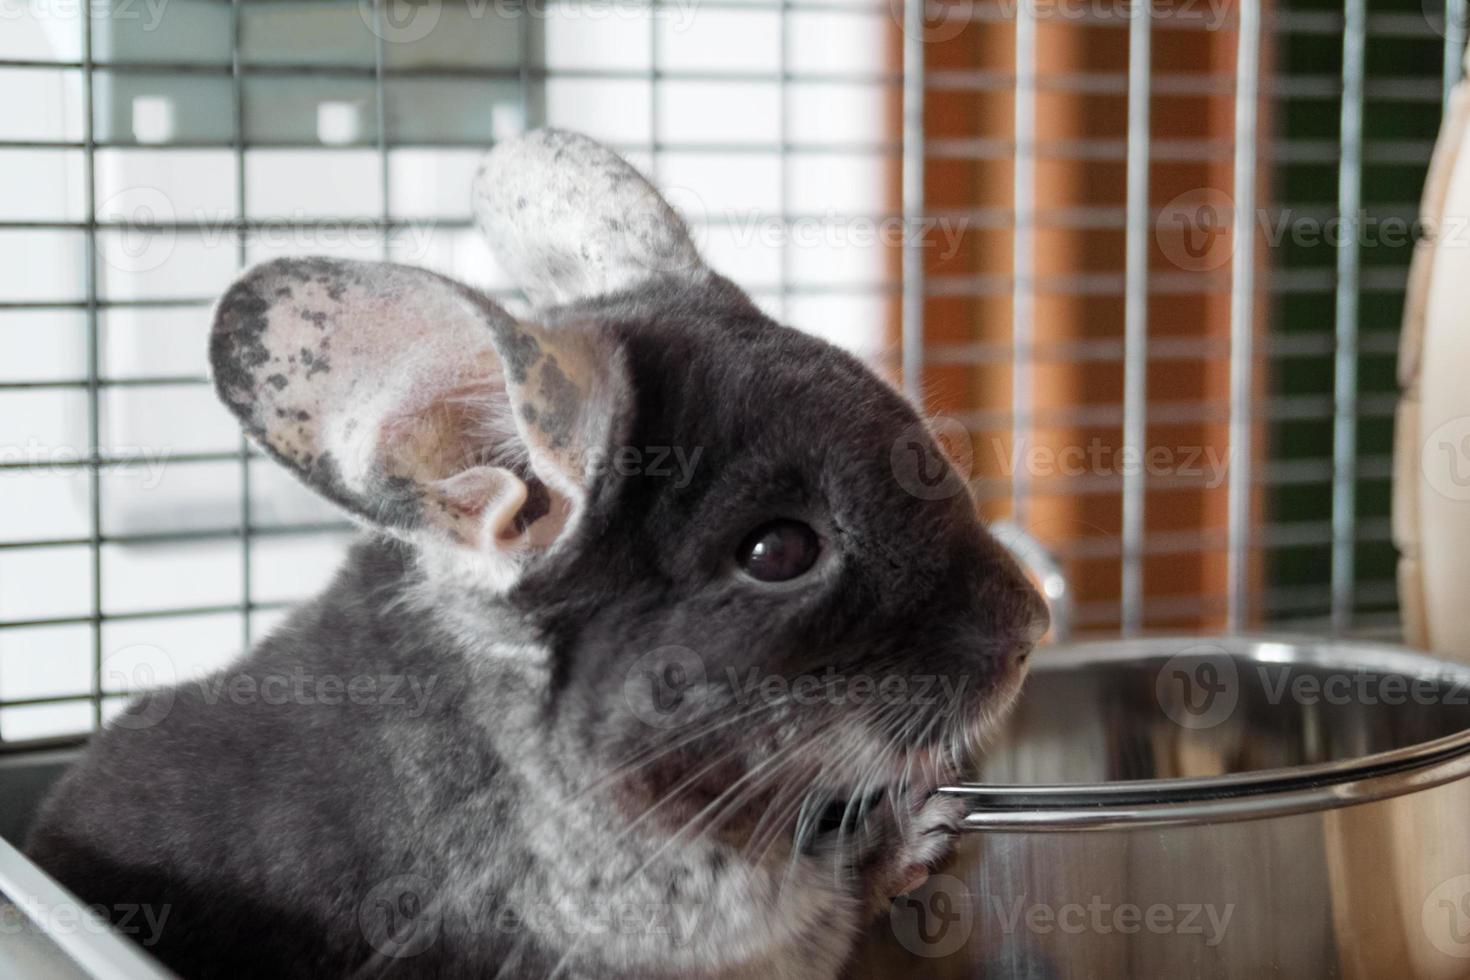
{"x": 1183, "y": 808}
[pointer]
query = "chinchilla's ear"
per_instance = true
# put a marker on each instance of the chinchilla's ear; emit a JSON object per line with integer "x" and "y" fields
{"x": 569, "y": 219}
{"x": 418, "y": 405}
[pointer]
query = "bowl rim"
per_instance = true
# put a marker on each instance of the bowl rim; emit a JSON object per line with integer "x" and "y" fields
{"x": 1235, "y": 796}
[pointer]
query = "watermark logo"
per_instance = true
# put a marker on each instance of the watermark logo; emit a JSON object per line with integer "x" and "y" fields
{"x": 1198, "y": 687}
{"x": 932, "y": 21}
{"x": 652, "y": 229}
{"x": 659, "y": 682}
{"x": 1194, "y": 230}
{"x": 1448, "y": 20}
{"x": 1445, "y": 459}
{"x": 1103, "y": 918}
{"x": 142, "y": 923}
{"x": 932, "y": 461}
{"x": 833, "y": 688}
{"x": 144, "y": 218}
{"x": 944, "y": 20}
{"x": 147, "y": 13}
{"x": 146, "y": 671}
{"x": 604, "y": 920}
{"x": 1445, "y": 917}
{"x": 936, "y": 919}
{"x": 395, "y": 917}
{"x": 400, "y": 21}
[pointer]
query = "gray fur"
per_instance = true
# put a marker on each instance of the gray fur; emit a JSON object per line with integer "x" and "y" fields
{"x": 473, "y": 827}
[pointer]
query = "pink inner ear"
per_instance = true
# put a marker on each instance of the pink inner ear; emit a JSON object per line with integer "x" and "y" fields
{"x": 480, "y": 506}
{"x": 463, "y": 448}
{"x": 490, "y": 507}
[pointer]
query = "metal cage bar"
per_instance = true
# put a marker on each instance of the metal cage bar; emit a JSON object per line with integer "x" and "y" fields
{"x": 1242, "y": 311}
{"x": 94, "y": 358}
{"x": 1023, "y": 259}
{"x": 914, "y": 89}
{"x": 1135, "y": 326}
{"x": 242, "y": 257}
{"x": 1456, "y": 15}
{"x": 1345, "y": 422}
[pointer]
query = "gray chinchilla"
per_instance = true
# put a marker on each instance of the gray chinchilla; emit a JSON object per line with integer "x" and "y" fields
{"x": 667, "y": 623}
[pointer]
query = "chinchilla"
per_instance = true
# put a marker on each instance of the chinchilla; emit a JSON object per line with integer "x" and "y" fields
{"x": 667, "y": 624}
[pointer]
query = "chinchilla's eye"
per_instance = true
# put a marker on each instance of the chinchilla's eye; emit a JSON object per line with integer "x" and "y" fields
{"x": 779, "y": 551}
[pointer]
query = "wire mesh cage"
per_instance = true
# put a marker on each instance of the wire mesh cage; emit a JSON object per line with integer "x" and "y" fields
{"x": 1024, "y": 213}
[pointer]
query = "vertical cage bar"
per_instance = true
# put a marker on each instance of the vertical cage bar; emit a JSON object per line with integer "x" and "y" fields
{"x": 783, "y": 171}
{"x": 1135, "y": 316}
{"x": 1242, "y": 311}
{"x": 94, "y": 355}
{"x": 523, "y": 67}
{"x": 1023, "y": 260}
{"x": 1456, "y": 13}
{"x": 380, "y": 93}
{"x": 912, "y": 204}
{"x": 1345, "y": 384}
{"x": 242, "y": 256}
{"x": 653, "y": 113}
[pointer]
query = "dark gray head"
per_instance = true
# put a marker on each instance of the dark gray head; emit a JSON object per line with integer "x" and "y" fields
{"x": 741, "y": 604}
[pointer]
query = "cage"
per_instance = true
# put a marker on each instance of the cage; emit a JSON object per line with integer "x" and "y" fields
{"x": 1026, "y": 214}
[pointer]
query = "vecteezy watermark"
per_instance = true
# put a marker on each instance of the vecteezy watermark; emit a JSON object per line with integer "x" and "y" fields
{"x": 1445, "y": 917}
{"x": 593, "y": 918}
{"x": 835, "y": 230}
{"x": 932, "y": 460}
{"x": 397, "y": 916}
{"x": 146, "y": 464}
{"x": 141, "y": 922}
{"x": 1281, "y": 684}
{"x": 141, "y": 225}
{"x": 1210, "y": 465}
{"x": 935, "y": 459}
{"x": 297, "y": 686}
{"x": 1198, "y": 687}
{"x": 148, "y": 674}
{"x": 149, "y": 13}
{"x": 674, "y": 462}
{"x": 945, "y": 20}
{"x": 1196, "y": 230}
{"x": 404, "y": 456}
{"x": 659, "y": 683}
{"x": 1444, "y": 459}
{"x": 832, "y": 687}
{"x": 935, "y": 919}
{"x": 1448, "y": 20}
{"x": 410, "y": 21}
{"x": 1099, "y": 917}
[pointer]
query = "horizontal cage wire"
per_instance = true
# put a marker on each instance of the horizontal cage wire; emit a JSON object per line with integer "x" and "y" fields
{"x": 856, "y": 165}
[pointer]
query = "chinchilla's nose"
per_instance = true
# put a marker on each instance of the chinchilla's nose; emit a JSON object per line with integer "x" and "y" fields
{"x": 1035, "y": 626}
{"x": 1031, "y": 569}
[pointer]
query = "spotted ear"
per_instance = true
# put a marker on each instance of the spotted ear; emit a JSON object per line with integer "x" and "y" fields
{"x": 419, "y": 405}
{"x": 569, "y": 219}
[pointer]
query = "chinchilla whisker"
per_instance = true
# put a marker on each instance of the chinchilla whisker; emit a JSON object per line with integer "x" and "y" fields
{"x": 761, "y": 771}
{"x": 800, "y": 801}
{"x": 649, "y": 757}
{"x": 684, "y": 785}
{"x": 813, "y": 803}
{"x": 767, "y": 831}
{"x": 769, "y": 769}
{"x": 784, "y": 814}
{"x": 772, "y": 767}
